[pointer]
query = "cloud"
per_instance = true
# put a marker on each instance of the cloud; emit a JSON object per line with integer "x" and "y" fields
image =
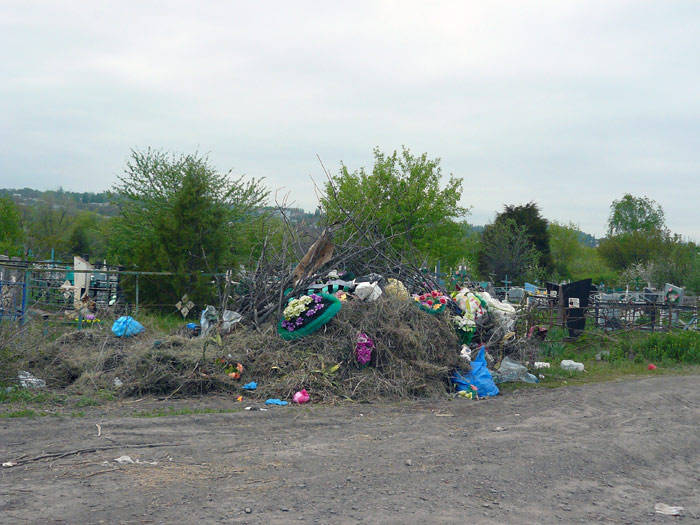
{"x": 570, "y": 104}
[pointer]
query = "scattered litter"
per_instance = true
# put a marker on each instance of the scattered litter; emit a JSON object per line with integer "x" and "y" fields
{"x": 207, "y": 320}
{"x": 409, "y": 462}
{"x": 301, "y": 397}
{"x": 662, "y": 508}
{"x": 126, "y": 326}
{"x": 239, "y": 398}
{"x": 511, "y": 370}
{"x": 368, "y": 291}
{"x": 230, "y": 318}
{"x": 256, "y": 408}
{"x": 276, "y": 402}
{"x": 126, "y": 460}
{"x": 478, "y": 379}
{"x": 540, "y": 364}
{"x": 28, "y": 380}
{"x": 194, "y": 329}
{"x": 572, "y": 366}
{"x": 499, "y": 429}
{"x": 250, "y": 386}
{"x": 9, "y": 464}
{"x": 397, "y": 289}
{"x": 117, "y": 383}
{"x": 466, "y": 353}
{"x": 651, "y": 367}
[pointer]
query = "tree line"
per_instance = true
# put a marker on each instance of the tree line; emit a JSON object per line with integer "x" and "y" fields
{"x": 178, "y": 213}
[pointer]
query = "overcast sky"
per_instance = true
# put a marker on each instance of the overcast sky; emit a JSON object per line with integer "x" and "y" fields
{"x": 569, "y": 104}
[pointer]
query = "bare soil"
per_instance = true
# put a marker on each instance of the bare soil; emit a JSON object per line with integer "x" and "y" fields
{"x": 603, "y": 452}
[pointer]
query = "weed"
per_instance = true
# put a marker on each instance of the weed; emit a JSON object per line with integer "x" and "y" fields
{"x": 161, "y": 412}
{"x": 85, "y": 401}
{"x": 27, "y": 396}
{"x": 27, "y": 412}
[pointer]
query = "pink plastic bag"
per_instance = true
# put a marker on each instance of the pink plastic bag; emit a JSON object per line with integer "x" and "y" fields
{"x": 301, "y": 397}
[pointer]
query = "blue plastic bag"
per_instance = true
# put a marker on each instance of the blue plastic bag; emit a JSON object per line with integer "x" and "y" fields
{"x": 479, "y": 376}
{"x": 275, "y": 402}
{"x": 126, "y": 326}
{"x": 250, "y": 386}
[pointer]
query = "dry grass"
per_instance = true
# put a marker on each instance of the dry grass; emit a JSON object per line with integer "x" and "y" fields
{"x": 413, "y": 357}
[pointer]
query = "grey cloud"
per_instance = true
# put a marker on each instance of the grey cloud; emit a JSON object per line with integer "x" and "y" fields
{"x": 569, "y": 104}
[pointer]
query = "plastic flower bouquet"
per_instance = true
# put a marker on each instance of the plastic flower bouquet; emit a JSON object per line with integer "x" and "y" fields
{"x": 432, "y": 302}
{"x": 473, "y": 308}
{"x": 306, "y": 314}
{"x": 363, "y": 349}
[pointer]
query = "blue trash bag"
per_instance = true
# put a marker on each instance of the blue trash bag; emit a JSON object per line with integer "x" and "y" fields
{"x": 126, "y": 326}
{"x": 276, "y": 402}
{"x": 479, "y": 376}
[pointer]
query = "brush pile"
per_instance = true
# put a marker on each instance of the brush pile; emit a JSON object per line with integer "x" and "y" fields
{"x": 413, "y": 354}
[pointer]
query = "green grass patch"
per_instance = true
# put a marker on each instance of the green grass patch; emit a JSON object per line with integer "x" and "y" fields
{"x": 27, "y": 412}
{"x": 26, "y": 396}
{"x": 166, "y": 412}
{"x": 86, "y": 401}
{"x": 599, "y": 371}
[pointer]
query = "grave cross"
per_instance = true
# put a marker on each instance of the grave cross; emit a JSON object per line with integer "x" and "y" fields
{"x": 506, "y": 282}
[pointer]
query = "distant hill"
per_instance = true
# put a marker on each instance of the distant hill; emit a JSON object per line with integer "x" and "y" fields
{"x": 101, "y": 203}
{"x": 587, "y": 239}
{"x": 584, "y": 238}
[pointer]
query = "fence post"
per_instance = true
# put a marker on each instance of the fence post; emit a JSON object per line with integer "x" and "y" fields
{"x": 136, "y": 310}
{"x": 25, "y": 291}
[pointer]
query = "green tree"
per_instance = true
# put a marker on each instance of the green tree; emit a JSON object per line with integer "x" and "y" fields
{"x": 403, "y": 197}
{"x": 49, "y": 229}
{"x": 565, "y": 247}
{"x": 89, "y": 235}
{"x": 11, "y": 232}
{"x": 636, "y": 247}
{"x": 507, "y": 250}
{"x": 178, "y": 214}
{"x": 528, "y": 216}
{"x": 633, "y": 214}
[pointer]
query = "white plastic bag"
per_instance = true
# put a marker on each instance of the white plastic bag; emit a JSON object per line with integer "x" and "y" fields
{"x": 368, "y": 291}
{"x": 511, "y": 370}
{"x": 572, "y": 366}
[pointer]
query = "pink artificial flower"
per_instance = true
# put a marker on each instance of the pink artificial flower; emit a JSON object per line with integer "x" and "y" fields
{"x": 429, "y": 302}
{"x": 651, "y": 367}
{"x": 301, "y": 397}
{"x": 443, "y": 300}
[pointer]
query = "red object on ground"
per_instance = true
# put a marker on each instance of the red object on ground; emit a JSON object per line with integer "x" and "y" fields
{"x": 651, "y": 367}
{"x": 301, "y": 397}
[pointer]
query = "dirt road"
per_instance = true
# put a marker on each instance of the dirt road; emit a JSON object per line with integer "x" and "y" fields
{"x": 602, "y": 452}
